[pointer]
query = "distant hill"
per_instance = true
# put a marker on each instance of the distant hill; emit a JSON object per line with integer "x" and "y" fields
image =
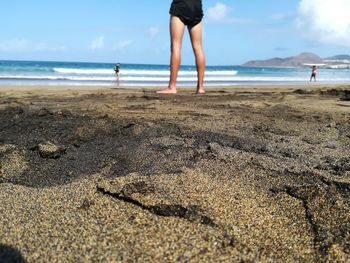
{"x": 339, "y": 57}
{"x": 295, "y": 61}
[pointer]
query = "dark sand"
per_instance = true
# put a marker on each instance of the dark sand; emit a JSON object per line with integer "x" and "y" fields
{"x": 250, "y": 174}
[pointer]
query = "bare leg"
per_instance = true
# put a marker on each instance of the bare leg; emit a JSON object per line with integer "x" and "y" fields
{"x": 177, "y": 29}
{"x": 196, "y": 40}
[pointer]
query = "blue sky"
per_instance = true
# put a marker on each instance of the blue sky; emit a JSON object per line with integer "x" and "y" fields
{"x": 136, "y": 31}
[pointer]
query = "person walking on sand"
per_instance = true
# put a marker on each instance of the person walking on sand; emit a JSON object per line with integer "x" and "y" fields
{"x": 185, "y": 13}
{"x": 313, "y": 73}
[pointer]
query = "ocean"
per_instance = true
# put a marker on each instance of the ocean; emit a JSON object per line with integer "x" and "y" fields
{"x": 77, "y": 73}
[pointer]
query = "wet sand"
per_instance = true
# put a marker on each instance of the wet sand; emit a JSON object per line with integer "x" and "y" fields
{"x": 243, "y": 174}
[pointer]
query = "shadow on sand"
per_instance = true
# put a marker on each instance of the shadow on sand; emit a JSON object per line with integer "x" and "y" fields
{"x": 9, "y": 254}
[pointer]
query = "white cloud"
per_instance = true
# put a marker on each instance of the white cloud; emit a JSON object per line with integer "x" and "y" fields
{"x": 326, "y": 21}
{"x": 23, "y": 45}
{"x": 122, "y": 44}
{"x": 154, "y": 31}
{"x": 221, "y": 13}
{"x": 98, "y": 43}
{"x": 282, "y": 16}
{"x": 14, "y": 45}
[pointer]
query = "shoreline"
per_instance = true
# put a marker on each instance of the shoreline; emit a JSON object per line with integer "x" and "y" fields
{"x": 80, "y": 75}
{"x": 262, "y": 87}
{"x": 151, "y": 86}
{"x": 244, "y": 173}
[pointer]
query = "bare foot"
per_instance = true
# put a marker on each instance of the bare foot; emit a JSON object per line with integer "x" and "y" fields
{"x": 167, "y": 91}
{"x": 200, "y": 91}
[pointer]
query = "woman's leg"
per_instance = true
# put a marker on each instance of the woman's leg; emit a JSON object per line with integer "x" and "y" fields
{"x": 177, "y": 29}
{"x": 196, "y": 40}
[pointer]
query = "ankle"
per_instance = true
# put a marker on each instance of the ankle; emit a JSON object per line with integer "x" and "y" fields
{"x": 172, "y": 87}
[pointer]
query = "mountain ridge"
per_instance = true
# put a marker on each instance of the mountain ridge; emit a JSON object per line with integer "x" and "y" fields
{"x": 301, "y": 60}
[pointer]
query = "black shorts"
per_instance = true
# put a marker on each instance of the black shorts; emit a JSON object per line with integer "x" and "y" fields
{"x": 190, "y": 12}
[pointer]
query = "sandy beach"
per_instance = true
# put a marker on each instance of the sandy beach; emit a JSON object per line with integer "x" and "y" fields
{"x": 241, "y": 174}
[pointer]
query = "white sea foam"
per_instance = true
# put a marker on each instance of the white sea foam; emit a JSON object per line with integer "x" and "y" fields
{"x": 27, "y": 77}
{"x": 152, "y": 79}
{"x": 83, "y": 71}
{"x": 128, "y": 72}
{"x": 49, "y": 73}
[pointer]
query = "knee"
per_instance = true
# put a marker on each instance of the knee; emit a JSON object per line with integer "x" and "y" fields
{"x": 197, "y": 49}
{"x": 175, "y": 48}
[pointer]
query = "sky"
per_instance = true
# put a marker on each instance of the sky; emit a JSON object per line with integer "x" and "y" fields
{"x": 137, "y": 31}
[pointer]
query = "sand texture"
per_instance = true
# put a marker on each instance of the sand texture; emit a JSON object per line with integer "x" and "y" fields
{"x": 250, "y": 174}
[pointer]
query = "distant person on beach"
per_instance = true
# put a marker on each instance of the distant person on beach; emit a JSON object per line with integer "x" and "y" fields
{"x": 185, "y": 13}
{"x": 313, "y": 73}
{"x": 117, "y": 69}
{"x": 117, "y": 72}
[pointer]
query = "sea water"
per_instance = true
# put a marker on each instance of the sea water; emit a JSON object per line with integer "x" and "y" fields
{"x": 78, "y": 73}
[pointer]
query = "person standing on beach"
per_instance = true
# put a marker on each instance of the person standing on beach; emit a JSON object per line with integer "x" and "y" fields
{"x": 313, "y": 73}
{"x": 117, "y": 72}
{"x": 117, "y": 69}
{"x": 185, "y": 13}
